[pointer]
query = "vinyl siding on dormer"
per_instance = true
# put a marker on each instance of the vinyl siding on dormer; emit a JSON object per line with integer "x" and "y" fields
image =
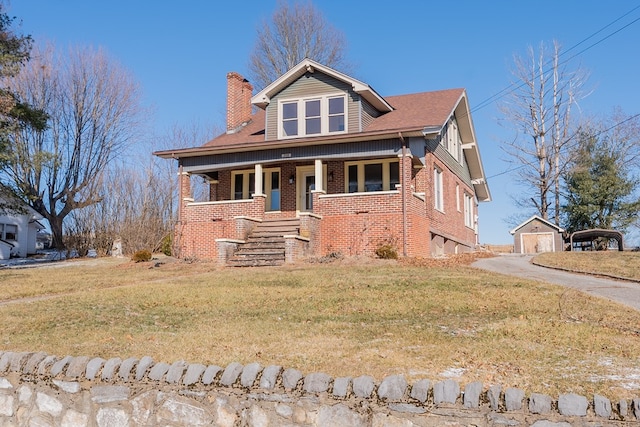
{"x": 369, "y": 113}
{"x": 309, "y": 85}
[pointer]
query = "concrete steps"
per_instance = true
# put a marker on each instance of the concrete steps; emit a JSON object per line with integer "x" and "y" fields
{"x": 265, "y": 246}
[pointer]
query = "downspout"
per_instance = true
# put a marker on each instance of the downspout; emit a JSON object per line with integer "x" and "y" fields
{"x": 404, "y": 198}
{"x": 180, "y": 193}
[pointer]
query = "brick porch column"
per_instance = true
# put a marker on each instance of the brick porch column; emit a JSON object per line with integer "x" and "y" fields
{"x": 184, "y": 191}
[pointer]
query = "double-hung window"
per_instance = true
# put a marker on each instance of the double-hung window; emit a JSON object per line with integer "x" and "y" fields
{"x": 289, "y": 119}
{"x": 8, "y": 232}
{"x": 438, "y": 196}
{"x": 468, "y": 211}
{"x": 374, "y": 175}
{"x": 244, "y": 185}
{"x": 312, "y": 116}
{"x": 336, "y": 114}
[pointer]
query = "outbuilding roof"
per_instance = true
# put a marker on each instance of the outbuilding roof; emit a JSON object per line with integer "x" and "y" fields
{"x": 539, "y": 218}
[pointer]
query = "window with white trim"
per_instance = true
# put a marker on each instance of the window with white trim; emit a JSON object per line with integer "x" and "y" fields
{"x": 373, "y": 175}
{"x": 243, "y": 185}
{"x": 468, "y": 210}
{"x": 8, "y": 232}
{"x": 312, "y": 116}
{"x": 438, "y": 196}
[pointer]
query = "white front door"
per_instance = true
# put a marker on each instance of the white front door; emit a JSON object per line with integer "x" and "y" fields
{"x": 307, "y": 180}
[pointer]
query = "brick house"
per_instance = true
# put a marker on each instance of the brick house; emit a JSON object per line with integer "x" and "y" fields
{"x": 319, "y": 163}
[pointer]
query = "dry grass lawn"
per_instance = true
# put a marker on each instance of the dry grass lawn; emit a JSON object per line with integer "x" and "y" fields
{"x": 430, "y": 320}
{"x": 613, "y": 263}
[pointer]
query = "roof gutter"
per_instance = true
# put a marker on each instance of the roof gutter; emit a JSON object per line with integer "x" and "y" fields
{"x": 276, "y": 144}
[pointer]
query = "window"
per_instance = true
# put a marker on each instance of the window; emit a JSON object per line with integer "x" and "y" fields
{"x": 438, "y": 197}
{"x": 375, "y": 175}
{"x": 336, "y": 114}
{"x": 8, "y": 232}
{"x": 458, "y": 197}
{"x": 312, "y": 116}
{"x": 468, "y": 211}
{"x": 244, "y": 185}
{"x": 290, "y": 119}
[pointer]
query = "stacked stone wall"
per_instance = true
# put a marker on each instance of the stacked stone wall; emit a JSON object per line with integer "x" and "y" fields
{"x": 37, "y": 389}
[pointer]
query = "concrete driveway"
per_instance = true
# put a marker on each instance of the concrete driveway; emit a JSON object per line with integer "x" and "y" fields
{"x": 627, "y": 293}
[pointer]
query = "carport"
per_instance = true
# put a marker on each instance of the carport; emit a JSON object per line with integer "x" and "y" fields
{"x": 594, "y": 234}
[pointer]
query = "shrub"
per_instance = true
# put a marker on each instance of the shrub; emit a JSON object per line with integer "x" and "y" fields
{"x": 166, "y": 245}
{"x": 386, "y": 251}
{"x": 141, "y": 256}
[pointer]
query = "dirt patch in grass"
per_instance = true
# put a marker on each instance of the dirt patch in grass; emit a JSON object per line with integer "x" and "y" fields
{"x": 414, "y": 317}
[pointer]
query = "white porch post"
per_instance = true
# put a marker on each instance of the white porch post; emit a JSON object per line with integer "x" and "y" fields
{"x": 319, "y": 179}
{"x": 259, "y": 190}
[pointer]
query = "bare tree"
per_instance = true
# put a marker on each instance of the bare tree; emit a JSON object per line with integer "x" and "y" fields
{"x": 294, "y": 33}
{"x": 539, "y": 108}
{"x": 93, "y": 108}
{"x": 140, "y": 199}
{"x": 135, "y": 209}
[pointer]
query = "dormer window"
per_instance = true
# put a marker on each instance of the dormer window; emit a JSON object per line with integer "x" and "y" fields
{"x": 289, "y": 119}
{"x": 312, "y": 116}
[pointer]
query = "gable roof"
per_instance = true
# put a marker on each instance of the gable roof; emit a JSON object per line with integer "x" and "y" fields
{"x": 19, "y": 209}
{"x": 263, "y": 98}
{"x": 534, "y": 217}
{"x": 412, "y": 115}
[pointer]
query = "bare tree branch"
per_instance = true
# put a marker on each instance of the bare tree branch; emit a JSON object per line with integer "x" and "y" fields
{"x": 93, "y": 107}
{"x": 294, "y": 33}
{"x": 540, "y": 112}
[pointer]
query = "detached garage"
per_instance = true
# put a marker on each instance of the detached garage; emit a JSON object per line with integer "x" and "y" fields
{"x": 537, "y": 235}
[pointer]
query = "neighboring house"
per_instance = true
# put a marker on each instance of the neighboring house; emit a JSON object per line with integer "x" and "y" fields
{"x": 18, "y": 232}
{"x": 330, "y": 166}
{"x": 537, "y": 235}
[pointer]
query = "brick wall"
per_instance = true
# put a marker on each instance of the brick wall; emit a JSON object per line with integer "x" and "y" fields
{"x": 447, "y": 224}
{"x": 202, "y": 223}
{"x": 354, "y": 224}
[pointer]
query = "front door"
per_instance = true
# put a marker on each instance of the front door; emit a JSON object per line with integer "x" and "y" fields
{"x": 307, "y": 185}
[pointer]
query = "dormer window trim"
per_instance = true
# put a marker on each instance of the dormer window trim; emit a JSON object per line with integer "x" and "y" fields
{"x": 312, "y": 116}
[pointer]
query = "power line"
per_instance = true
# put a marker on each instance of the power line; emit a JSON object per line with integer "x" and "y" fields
{"x": 513, "y": 87}
{"x": 568, "y": 139}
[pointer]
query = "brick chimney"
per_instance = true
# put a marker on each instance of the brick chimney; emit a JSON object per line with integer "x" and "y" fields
{"x": 239, "y": 92}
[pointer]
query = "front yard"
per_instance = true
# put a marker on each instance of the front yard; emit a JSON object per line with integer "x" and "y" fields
{"x": 430, "y": 320}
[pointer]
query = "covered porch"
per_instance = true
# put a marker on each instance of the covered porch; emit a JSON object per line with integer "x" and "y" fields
{"x": 349, "y": 205}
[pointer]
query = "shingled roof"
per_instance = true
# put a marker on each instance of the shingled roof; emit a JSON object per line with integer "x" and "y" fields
{"x": 412, "y": 112}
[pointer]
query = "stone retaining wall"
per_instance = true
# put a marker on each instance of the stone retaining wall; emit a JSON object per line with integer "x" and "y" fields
{"x": 37, "y": 389}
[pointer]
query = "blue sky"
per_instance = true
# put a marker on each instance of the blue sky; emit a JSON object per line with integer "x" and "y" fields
{"x": 180, "y": 53}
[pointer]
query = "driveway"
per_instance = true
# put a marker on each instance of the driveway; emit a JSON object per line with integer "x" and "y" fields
{"x": 627, "y": 293}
